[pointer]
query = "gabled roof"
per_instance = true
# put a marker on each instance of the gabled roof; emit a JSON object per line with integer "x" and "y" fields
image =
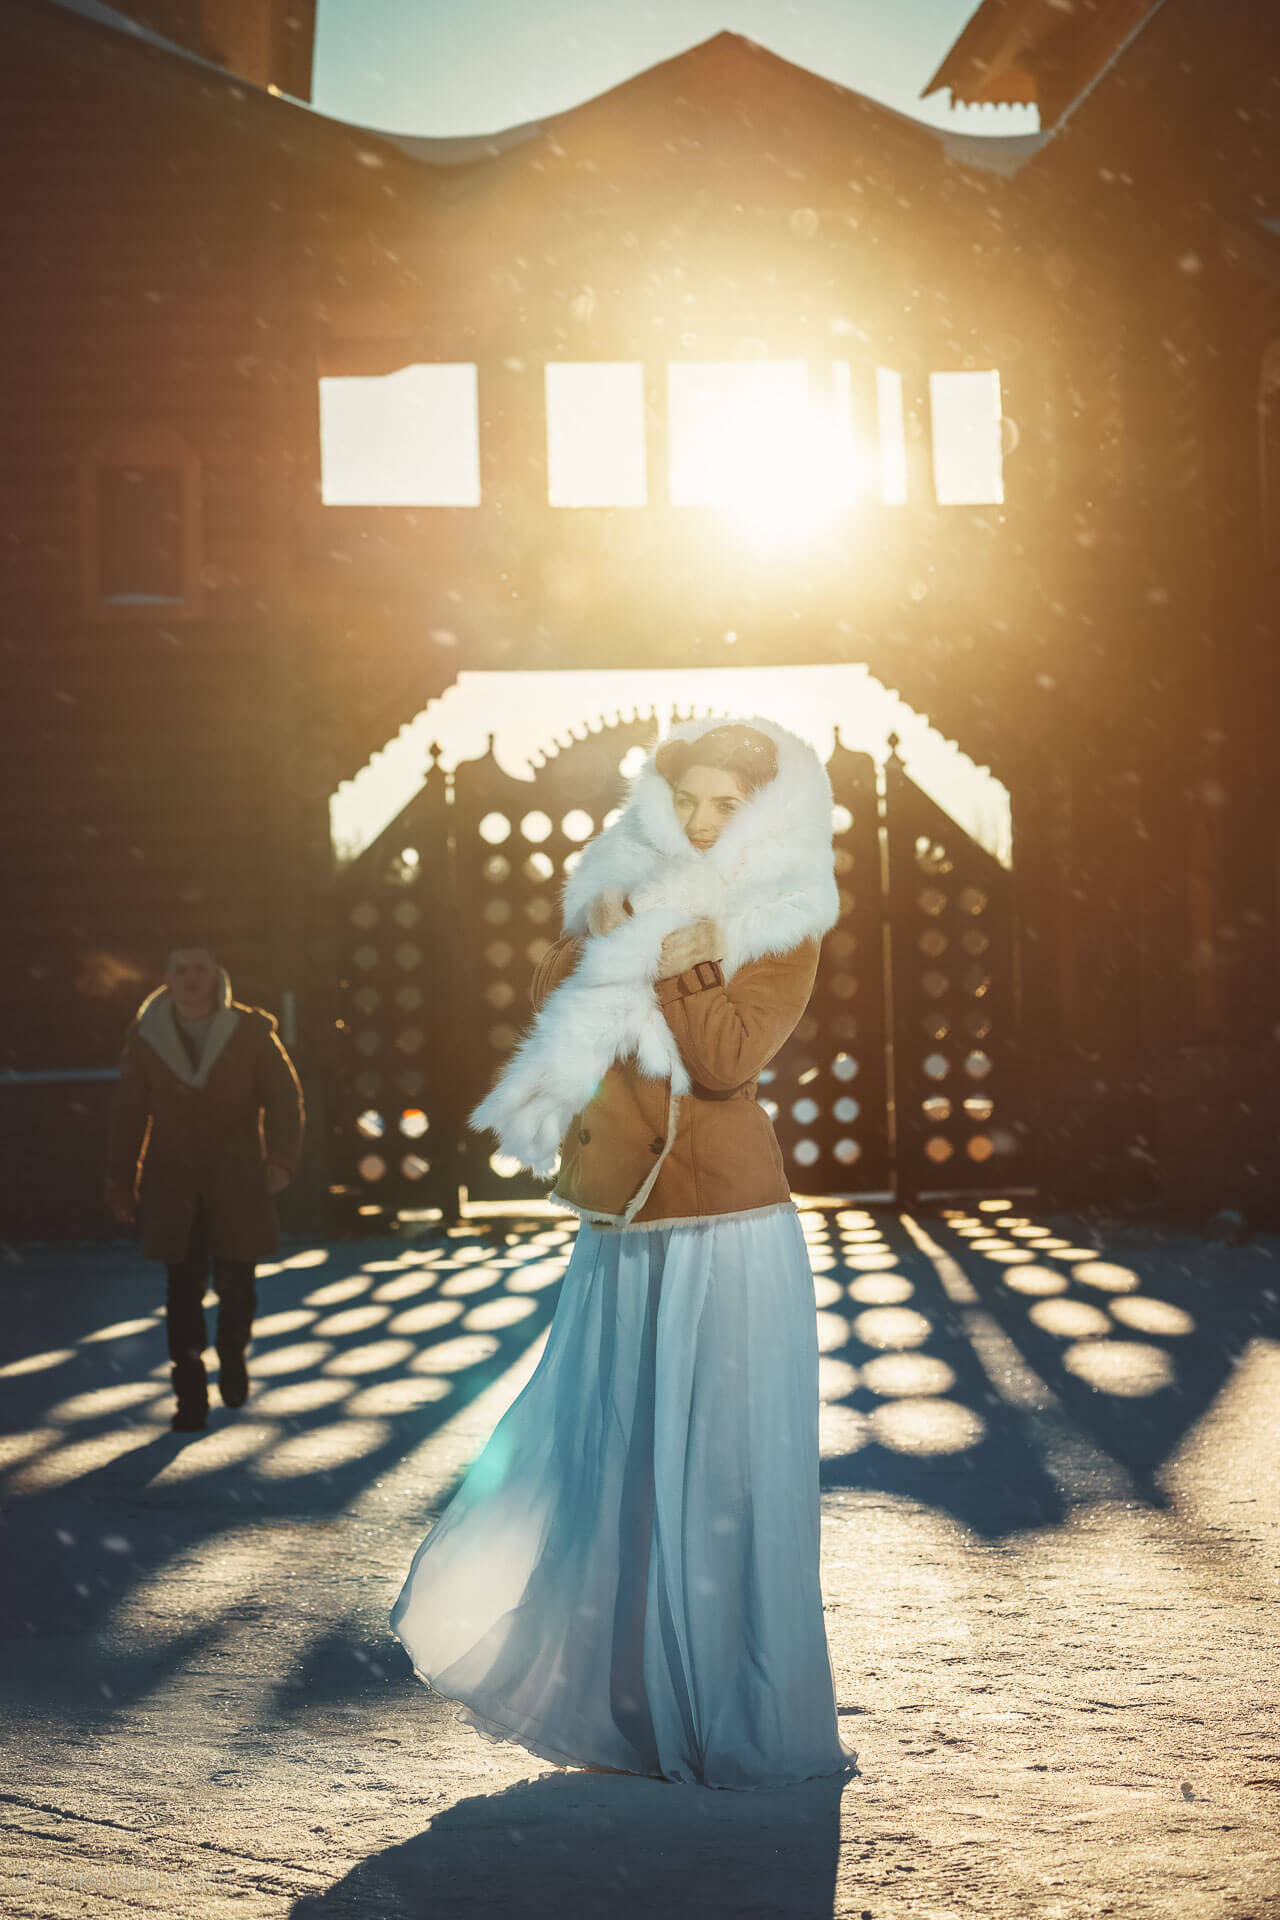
{"x": 1040, "y": 53}
{"x": 729, "y": 71}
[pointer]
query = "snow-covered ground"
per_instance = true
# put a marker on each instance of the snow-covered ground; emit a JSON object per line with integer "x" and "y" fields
{"x": 1051, "y": 1537}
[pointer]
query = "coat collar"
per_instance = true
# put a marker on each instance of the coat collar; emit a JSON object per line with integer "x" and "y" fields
{"x": 158, "y": 1027}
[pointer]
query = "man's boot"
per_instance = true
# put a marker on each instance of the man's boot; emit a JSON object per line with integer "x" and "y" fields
{"x": 192, "y": 1390}
{"x": 233, "y": 1378}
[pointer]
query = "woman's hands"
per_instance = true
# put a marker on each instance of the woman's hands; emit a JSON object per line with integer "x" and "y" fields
{"x": 607, "y": 911}
{"x": 702, "y": 940}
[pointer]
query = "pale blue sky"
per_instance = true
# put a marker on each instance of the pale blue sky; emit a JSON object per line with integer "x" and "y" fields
{"x": 449, "y": 67}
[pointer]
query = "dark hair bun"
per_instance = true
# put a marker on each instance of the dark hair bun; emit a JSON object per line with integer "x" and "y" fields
{"x": 743, "y": 751}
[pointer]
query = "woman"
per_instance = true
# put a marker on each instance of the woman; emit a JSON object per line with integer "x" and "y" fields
{"x": 627, "y": 1578}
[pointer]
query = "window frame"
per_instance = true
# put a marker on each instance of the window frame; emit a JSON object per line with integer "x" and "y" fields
{"x": 141, "y": 445}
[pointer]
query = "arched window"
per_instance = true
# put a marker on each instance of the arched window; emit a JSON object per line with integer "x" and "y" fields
{"x": 140, "y": 537}
{"x": 1269, "y": 452}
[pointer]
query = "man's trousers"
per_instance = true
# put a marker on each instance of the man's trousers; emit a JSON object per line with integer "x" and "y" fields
{"x": 233, "y": 1282}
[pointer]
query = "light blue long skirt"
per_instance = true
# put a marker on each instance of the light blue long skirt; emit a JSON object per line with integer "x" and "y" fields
{"x": 627, "y": 1576}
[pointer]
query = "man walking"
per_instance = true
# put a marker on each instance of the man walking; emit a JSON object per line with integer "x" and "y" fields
{"x": 206, "y": 1127}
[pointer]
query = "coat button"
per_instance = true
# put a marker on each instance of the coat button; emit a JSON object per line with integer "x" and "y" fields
{"x": 584, "y": 1136}
{"x": 656, "y": 1146}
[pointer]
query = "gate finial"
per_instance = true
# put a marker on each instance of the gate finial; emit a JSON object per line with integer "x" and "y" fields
{"x": 895, "y": 742}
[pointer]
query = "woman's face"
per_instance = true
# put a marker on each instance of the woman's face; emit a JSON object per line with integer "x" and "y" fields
{"x": 706, "y": 799}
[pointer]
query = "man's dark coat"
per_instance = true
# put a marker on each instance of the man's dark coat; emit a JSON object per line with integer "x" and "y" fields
{"x": 180, "y": 1132}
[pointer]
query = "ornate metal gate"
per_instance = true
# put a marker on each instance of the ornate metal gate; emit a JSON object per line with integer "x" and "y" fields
{"x": 900, "y": 1078}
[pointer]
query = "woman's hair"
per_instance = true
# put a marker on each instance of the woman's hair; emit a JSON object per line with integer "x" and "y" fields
{"x": 742, "y": 751}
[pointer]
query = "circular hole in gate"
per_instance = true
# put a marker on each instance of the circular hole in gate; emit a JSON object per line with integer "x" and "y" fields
{"x": 539, "y": 866}
{"x": 496, "y": 869}
{"x": 499, "y": 994}
{"x": 371, "y": 1167}
{"x": 841, "y": 943}
{"x": 977, "y": 1065}
{"x": 570, "y": 861}
{"x": 979, "y": 1148}
{"x": 979, "y": 1106}
{"x": 614, "y": 813}
{"x": 497, "y": 912}
{"x": 977, "y": 1023}
{"x": 805, "y": 1111}
{"x": 846, "y": 1152}
{"x": 846, "y": 1110}
{"x": 841, "y": 819}
{"x": 632, "y": 761}
{"x": 498, "y": 953}
{"x": 369, "y": 1085}
{"x": 370, "y": 1124}
{"x": 937, "y": 1066}
{"x": 502, "y": 1039}
{"x": 409, "y": 999}
{"x": 409, "y": 1039}
{"x": 407, "y": 955}
{"x": 931, "y": 900}
{"x": 972, "y": 900}
{"x": 842, "y": 861}
{"x": 843, "y": 985}
{"x": 842, "y": 1026}
{"x": 368, "y": 1041}
{"x": 577, "y": 825}
{"x": 938, "y": 1149}
{"x": 936, "y": 1109}
{"x": 505, "y": 1165}
{"x": 537, "y": 950}
{"x": 933, "y": 942}
{"x": 930, "y": 855}
{"x": 494, "y": 828}
{"x": 805, "y": 1152}
{"x": 769, "y": 1107}
{"x": 977, "y": 981}
{"x": 535, "y": 826}
{"x": 844, "y": 899}
{"x": 807, "y": 1028}
{"x": 935, "y": 1026}
{"x": 413, "y": 1166}
{"x": 934, "y": 983}
{"x": 410, "y": 1081}
{"x": 844, "y": 1066}
{"x": 365, "y": 915}
{"x": 365, "y": 957}
{"x": 974, "y": 940}
{"x": 539, "y": 911}
{"x": 365, "y": 999}
{"x": 413, "y": 1123}
{"x": 406, "y": 914}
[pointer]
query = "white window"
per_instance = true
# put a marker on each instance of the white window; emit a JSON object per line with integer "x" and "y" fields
{"x": 757, "y": 438}
{"x": 405, "y": 439}
{"x": 728, "y": 423}
{"x": 595, "y": 434}
{"x": 967, "y": 458}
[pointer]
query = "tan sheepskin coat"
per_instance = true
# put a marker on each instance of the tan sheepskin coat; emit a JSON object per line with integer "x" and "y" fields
{"x": 723, "y": 1157}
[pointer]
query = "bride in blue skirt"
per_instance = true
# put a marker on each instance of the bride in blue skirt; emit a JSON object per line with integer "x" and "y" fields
{"x": 628, "y": 1577}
